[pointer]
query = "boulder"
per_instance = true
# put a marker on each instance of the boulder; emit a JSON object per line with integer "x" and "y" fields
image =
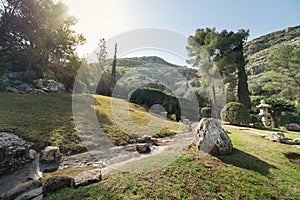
{"x": 50, "y": 159}
{"x": 143, "y": 148}
{"x": 292, "y": 127}
{"x": 210, "y": 137}
{"x": 22, "y": 188}
{"x": 14, "y": 152}
{"x": 88, "y": 177}
{"x": 56, "y": 183}
{"x": 50, "y": 154}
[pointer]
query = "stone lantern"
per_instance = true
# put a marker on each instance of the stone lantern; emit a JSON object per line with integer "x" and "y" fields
{"x": 263, "y": 112}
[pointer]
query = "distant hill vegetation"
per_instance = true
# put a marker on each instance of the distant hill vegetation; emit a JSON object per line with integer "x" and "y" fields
{"x": 257, "y": 50}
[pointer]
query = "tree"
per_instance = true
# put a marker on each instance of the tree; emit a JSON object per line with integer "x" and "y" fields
{"x": 36, "y": 36}
{"x": 225, "y": 54}
{"x": 114, "y": 63}
{"x": 284, "y": 66}
{"x": 278, "y": 106}
{"x": 102, "y": 55}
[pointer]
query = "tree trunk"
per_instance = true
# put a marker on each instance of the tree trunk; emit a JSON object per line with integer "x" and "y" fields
{"x": 243, "y": 91}
{"x": 275, "y": 116}
{"x": 215, "y": 113}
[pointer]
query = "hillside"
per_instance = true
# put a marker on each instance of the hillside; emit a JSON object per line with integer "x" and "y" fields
{"x": 257, "y": 50}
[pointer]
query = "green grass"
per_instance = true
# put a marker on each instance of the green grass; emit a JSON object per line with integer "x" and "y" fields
{"x": 46, "y": 119}
{"x": 257, "y": 169}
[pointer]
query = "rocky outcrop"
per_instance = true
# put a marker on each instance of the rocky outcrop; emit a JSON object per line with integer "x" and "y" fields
{"x": 292, "y": 127}
{"x": 88, "y": 177}
{"x": 257, "y": 50}
{"x": 210, "y": 137}
{"x": 22, "y": 188}
{"x": 50, "y": 159}
{"x": 56, "y": 183}
{"x": 14, "y": 83}
{"x": 14, "y": 153}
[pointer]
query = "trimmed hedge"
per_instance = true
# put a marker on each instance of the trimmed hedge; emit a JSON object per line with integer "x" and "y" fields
{"x": 235, "y": 113}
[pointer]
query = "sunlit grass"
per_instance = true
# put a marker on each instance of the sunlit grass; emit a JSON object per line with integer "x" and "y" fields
{"x": 257, "y": 169}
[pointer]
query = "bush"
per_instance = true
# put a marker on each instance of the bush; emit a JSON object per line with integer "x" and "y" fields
{"x": 205, "y": 112}
{"x": 289, "y": 118}
{"x": 235, "y": 113}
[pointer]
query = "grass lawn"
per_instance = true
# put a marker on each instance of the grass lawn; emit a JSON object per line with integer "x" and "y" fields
{"x": 46, "y": 119}
{"x": 257, "y": 169}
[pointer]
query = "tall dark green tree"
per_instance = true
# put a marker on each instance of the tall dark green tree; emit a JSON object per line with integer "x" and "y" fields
{"x": 114, "y": 63}
{"x": 224, "y": 53}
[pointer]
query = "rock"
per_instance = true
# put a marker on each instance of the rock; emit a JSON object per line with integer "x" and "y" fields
{"x": 296, "y": 140}
{"x": 56, "y": 183}
{"x": 13, "y": 153}
{"x": 147, "y": 139}
{"x": 210, "y": 137}
{"x": 277, "y": 137}
{"x": 35, "y": 194}
{"x": 143, "y": 148}
{"x": 31, "y": 154}
{"x": 292, "y": 127}
{"x": 12, "y": 89}
{"x": 22, "y": 188}
{"x": 50, "y": 159}
{"x": 50, "y": 154}
{"x": 88, "y": 177}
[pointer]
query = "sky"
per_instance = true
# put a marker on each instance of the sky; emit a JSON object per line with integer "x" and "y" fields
{"x": 111, "y": 18}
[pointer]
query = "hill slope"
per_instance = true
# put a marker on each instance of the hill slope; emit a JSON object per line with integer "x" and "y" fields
{"x": 46, "y": 119}
{"x": 257, "y": 50}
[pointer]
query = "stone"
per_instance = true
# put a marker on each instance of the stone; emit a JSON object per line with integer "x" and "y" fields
{"x": 12, "y": 89}
{"x": 50, "y": 154}
{"x": 22, "y": 188}
{"x": 13, "y": 152}
{"x": 56, "y": 183}
{"x": 277, "y": 137}
{"x": 88, "y": 177}
{"x": 35, "y": 194}
{"x": 296, "y": 140}
{"x": 143, "y": 148}
{"x": 50, "y": 159}
{"x": 31, "y": 154}
{"x": 292, "y": 127}
{"x": 210, "y": 137}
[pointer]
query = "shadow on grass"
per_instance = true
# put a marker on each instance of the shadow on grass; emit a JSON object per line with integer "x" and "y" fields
{"x": 247, "y": 161}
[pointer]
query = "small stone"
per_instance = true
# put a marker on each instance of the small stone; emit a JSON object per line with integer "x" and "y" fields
{"x": 143, "y": 148}
{"x": 88, "y": 177}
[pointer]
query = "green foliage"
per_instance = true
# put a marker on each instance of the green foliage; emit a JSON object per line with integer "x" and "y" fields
{"x": 205, "y": 112}
{"x": 37, "y": 37}
{"x": 235, "y": 113}
{"x": 278, "y": 106}
{"x": 284, "y": 73}
{"x": 288, "y": 118}
{"x": 221, "y": 53}
{"x": 149, "y": 97}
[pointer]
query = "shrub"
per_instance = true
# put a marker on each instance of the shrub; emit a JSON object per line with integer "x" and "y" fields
{"x": 289, "y": 118}
{"x": 235, "y": 113}
{"x": 205, "y": 112}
